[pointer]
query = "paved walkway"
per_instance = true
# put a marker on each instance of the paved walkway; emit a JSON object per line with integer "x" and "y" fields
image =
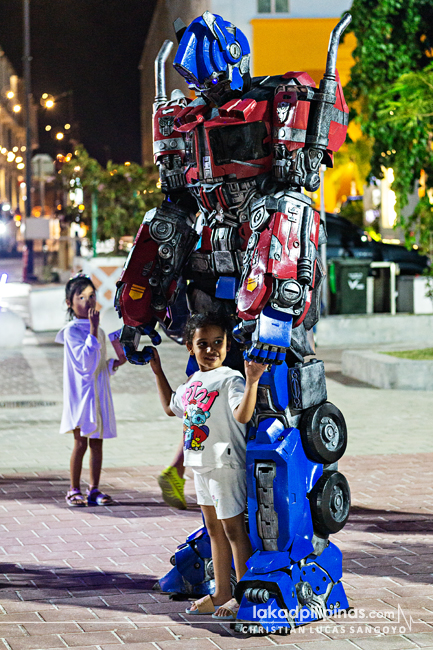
{"x": 83, "y": 578}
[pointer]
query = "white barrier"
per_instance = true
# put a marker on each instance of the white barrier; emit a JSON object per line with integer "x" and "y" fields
{"x": 12, "y": 329}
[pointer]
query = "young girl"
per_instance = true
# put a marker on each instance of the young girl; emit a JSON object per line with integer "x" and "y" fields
{"x": 215, "y": 403}
{"x": 87, "y": 404}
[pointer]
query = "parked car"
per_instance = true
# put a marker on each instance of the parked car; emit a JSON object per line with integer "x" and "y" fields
{"x": 347, "y": 240}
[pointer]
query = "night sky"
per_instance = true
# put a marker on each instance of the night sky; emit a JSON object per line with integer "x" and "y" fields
{"x": 92, "y": 47}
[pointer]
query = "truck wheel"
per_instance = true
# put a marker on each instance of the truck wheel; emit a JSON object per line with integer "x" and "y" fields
{"x": 330, "y": 503}
{"x": 323, "y": 433}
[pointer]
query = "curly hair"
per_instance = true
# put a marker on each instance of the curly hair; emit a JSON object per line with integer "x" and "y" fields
{"x": 75, "y": 285}
{"x": 204, "y": 319}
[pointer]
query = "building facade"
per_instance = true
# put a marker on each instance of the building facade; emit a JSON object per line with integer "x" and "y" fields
{"x": 13, "y": 136}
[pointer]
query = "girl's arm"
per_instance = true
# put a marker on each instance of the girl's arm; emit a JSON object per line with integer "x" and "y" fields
{"x": 164, "y": 389}
{"x": 85, "y": 353}
{"x": 244, "y": 412}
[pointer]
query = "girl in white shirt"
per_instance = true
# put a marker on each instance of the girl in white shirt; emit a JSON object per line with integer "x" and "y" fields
{"x": 215, "y": 403}
{"x": 88, "y": 410}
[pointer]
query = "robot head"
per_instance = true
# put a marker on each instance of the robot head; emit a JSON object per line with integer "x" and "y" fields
{"x": 213, "y": 57}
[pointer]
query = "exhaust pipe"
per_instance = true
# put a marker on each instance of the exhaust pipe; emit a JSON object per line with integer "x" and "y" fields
{"x": 160, "y": 92}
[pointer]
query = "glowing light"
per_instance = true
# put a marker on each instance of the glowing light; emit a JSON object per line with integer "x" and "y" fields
{"x": 21, "y": 166}
{"x": 68, "y": 157}
{"x": 48, "y": 128}
{"x": 77, "y": 168}
{"x": 81, "y": 207}
{"x": 67, "y": 127}
{"x": 2, "y": 228}
{"x": 16, "y": 108}
{"x": 6, "y": 207}
{"x": 127, "y": 163}
{"x": 45, "y": 96}
{"x": 59, "y": 135}
{"x": 10, "y": 94}
{"x": 49, "y": 103}
{"x": 10, "y": 157}
{"x": 388, "y": 197}
{"x": 4, "y": 150}
{"x": 23, "y": 148}
{"x": 59, "y": 206}
{"x": 19, "y": 159}
{"x": 15, "y": 149}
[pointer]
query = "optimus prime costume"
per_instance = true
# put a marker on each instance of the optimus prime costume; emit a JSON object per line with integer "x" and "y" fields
{"x": 236, "y": 229}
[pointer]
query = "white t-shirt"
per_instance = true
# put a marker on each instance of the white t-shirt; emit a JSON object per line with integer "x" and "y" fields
{"x": 212, "y": 436}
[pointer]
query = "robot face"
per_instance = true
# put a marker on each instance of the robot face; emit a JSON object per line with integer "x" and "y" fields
{"x": 213, "y": 56}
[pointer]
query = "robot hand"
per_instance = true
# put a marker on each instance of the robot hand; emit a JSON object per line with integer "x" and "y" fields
{"x": 268, "y": 336}
{"x": 130, "y": 339}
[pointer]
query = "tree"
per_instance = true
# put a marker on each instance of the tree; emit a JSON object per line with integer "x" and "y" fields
{"x": 124, "y": 193}
{"x": 408, "y": 106}
{"x": 394, "y": 39}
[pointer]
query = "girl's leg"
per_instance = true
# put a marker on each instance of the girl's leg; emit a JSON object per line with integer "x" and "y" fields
{"x": 178, "y": 460}
{"x": 240, "y": 545}
{"x": 95, "y": 464}
{"x": 94, "y": 496}
{"x": 76, "y": 464}
{"x": 221, "y": 556}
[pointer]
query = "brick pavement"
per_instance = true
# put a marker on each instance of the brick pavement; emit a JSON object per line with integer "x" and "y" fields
{"x": 83, "y": 578}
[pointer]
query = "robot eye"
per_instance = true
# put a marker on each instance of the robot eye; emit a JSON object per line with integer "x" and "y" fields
{"x": 214, "y": 81}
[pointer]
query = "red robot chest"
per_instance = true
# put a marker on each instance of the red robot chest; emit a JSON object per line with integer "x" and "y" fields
{"x": 235, "y": 142}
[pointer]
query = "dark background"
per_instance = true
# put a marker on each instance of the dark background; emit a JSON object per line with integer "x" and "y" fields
{"x": 92, "y": 47}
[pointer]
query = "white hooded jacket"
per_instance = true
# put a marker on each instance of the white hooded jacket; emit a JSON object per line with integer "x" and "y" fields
{"x": 87, "y": 401}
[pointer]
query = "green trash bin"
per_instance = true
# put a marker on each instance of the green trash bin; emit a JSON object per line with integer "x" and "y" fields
{"x": 348, "y": 285}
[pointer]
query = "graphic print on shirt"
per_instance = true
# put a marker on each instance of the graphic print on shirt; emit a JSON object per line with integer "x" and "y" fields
{"x": 197, "y": 402}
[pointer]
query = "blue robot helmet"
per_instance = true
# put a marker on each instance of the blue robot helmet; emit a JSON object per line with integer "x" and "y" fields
{"x": 212, "y": 51}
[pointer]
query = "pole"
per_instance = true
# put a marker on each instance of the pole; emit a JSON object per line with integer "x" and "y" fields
{"x": 28, "y": 269}
{"x": 323, "y": 247}
{"x": 94, "y": 220}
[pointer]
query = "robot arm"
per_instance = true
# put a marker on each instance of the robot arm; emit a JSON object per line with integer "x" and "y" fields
{"x": 282, "y": 270}
{"x": 149, "y": 279}
{"x": 282, "y": 273}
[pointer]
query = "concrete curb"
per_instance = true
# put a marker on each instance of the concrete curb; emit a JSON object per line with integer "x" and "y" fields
{"x": 375, "y": 329}
{"x": 384, "y": 371}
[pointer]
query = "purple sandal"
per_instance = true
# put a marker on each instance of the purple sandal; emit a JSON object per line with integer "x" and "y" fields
{"x": 96, "y": 498}
{"x": 74, "y": 498}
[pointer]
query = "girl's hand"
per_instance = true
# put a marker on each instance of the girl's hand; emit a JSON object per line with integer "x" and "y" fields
{"x": 119, "y": 362}
{"x": 253, "y": 371}
{"x": 155, "y": 362}
{"x": 93, "y": 316}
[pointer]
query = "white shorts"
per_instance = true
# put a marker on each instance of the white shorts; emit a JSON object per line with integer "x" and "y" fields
{"x": 224, "y": 488}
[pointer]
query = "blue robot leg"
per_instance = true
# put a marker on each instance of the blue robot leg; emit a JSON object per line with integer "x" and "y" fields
{"x": 192, "y": 573}
{"x": 296, "y": 499}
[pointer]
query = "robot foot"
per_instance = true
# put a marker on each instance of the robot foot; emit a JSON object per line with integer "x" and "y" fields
{"x": 290, "y": 596}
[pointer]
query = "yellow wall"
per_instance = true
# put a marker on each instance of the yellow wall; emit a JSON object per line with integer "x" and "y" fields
{"x": 283, "y": 44}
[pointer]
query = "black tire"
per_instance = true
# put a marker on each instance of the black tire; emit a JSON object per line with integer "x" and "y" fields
{"x": 323, "y": 433}
{"x": 330, "y": 503}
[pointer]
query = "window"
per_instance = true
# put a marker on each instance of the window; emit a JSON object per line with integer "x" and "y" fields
{"x": 273, "y": 6}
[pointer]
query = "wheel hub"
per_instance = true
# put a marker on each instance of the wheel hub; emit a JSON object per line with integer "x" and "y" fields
{"x": 330, "y": 433}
